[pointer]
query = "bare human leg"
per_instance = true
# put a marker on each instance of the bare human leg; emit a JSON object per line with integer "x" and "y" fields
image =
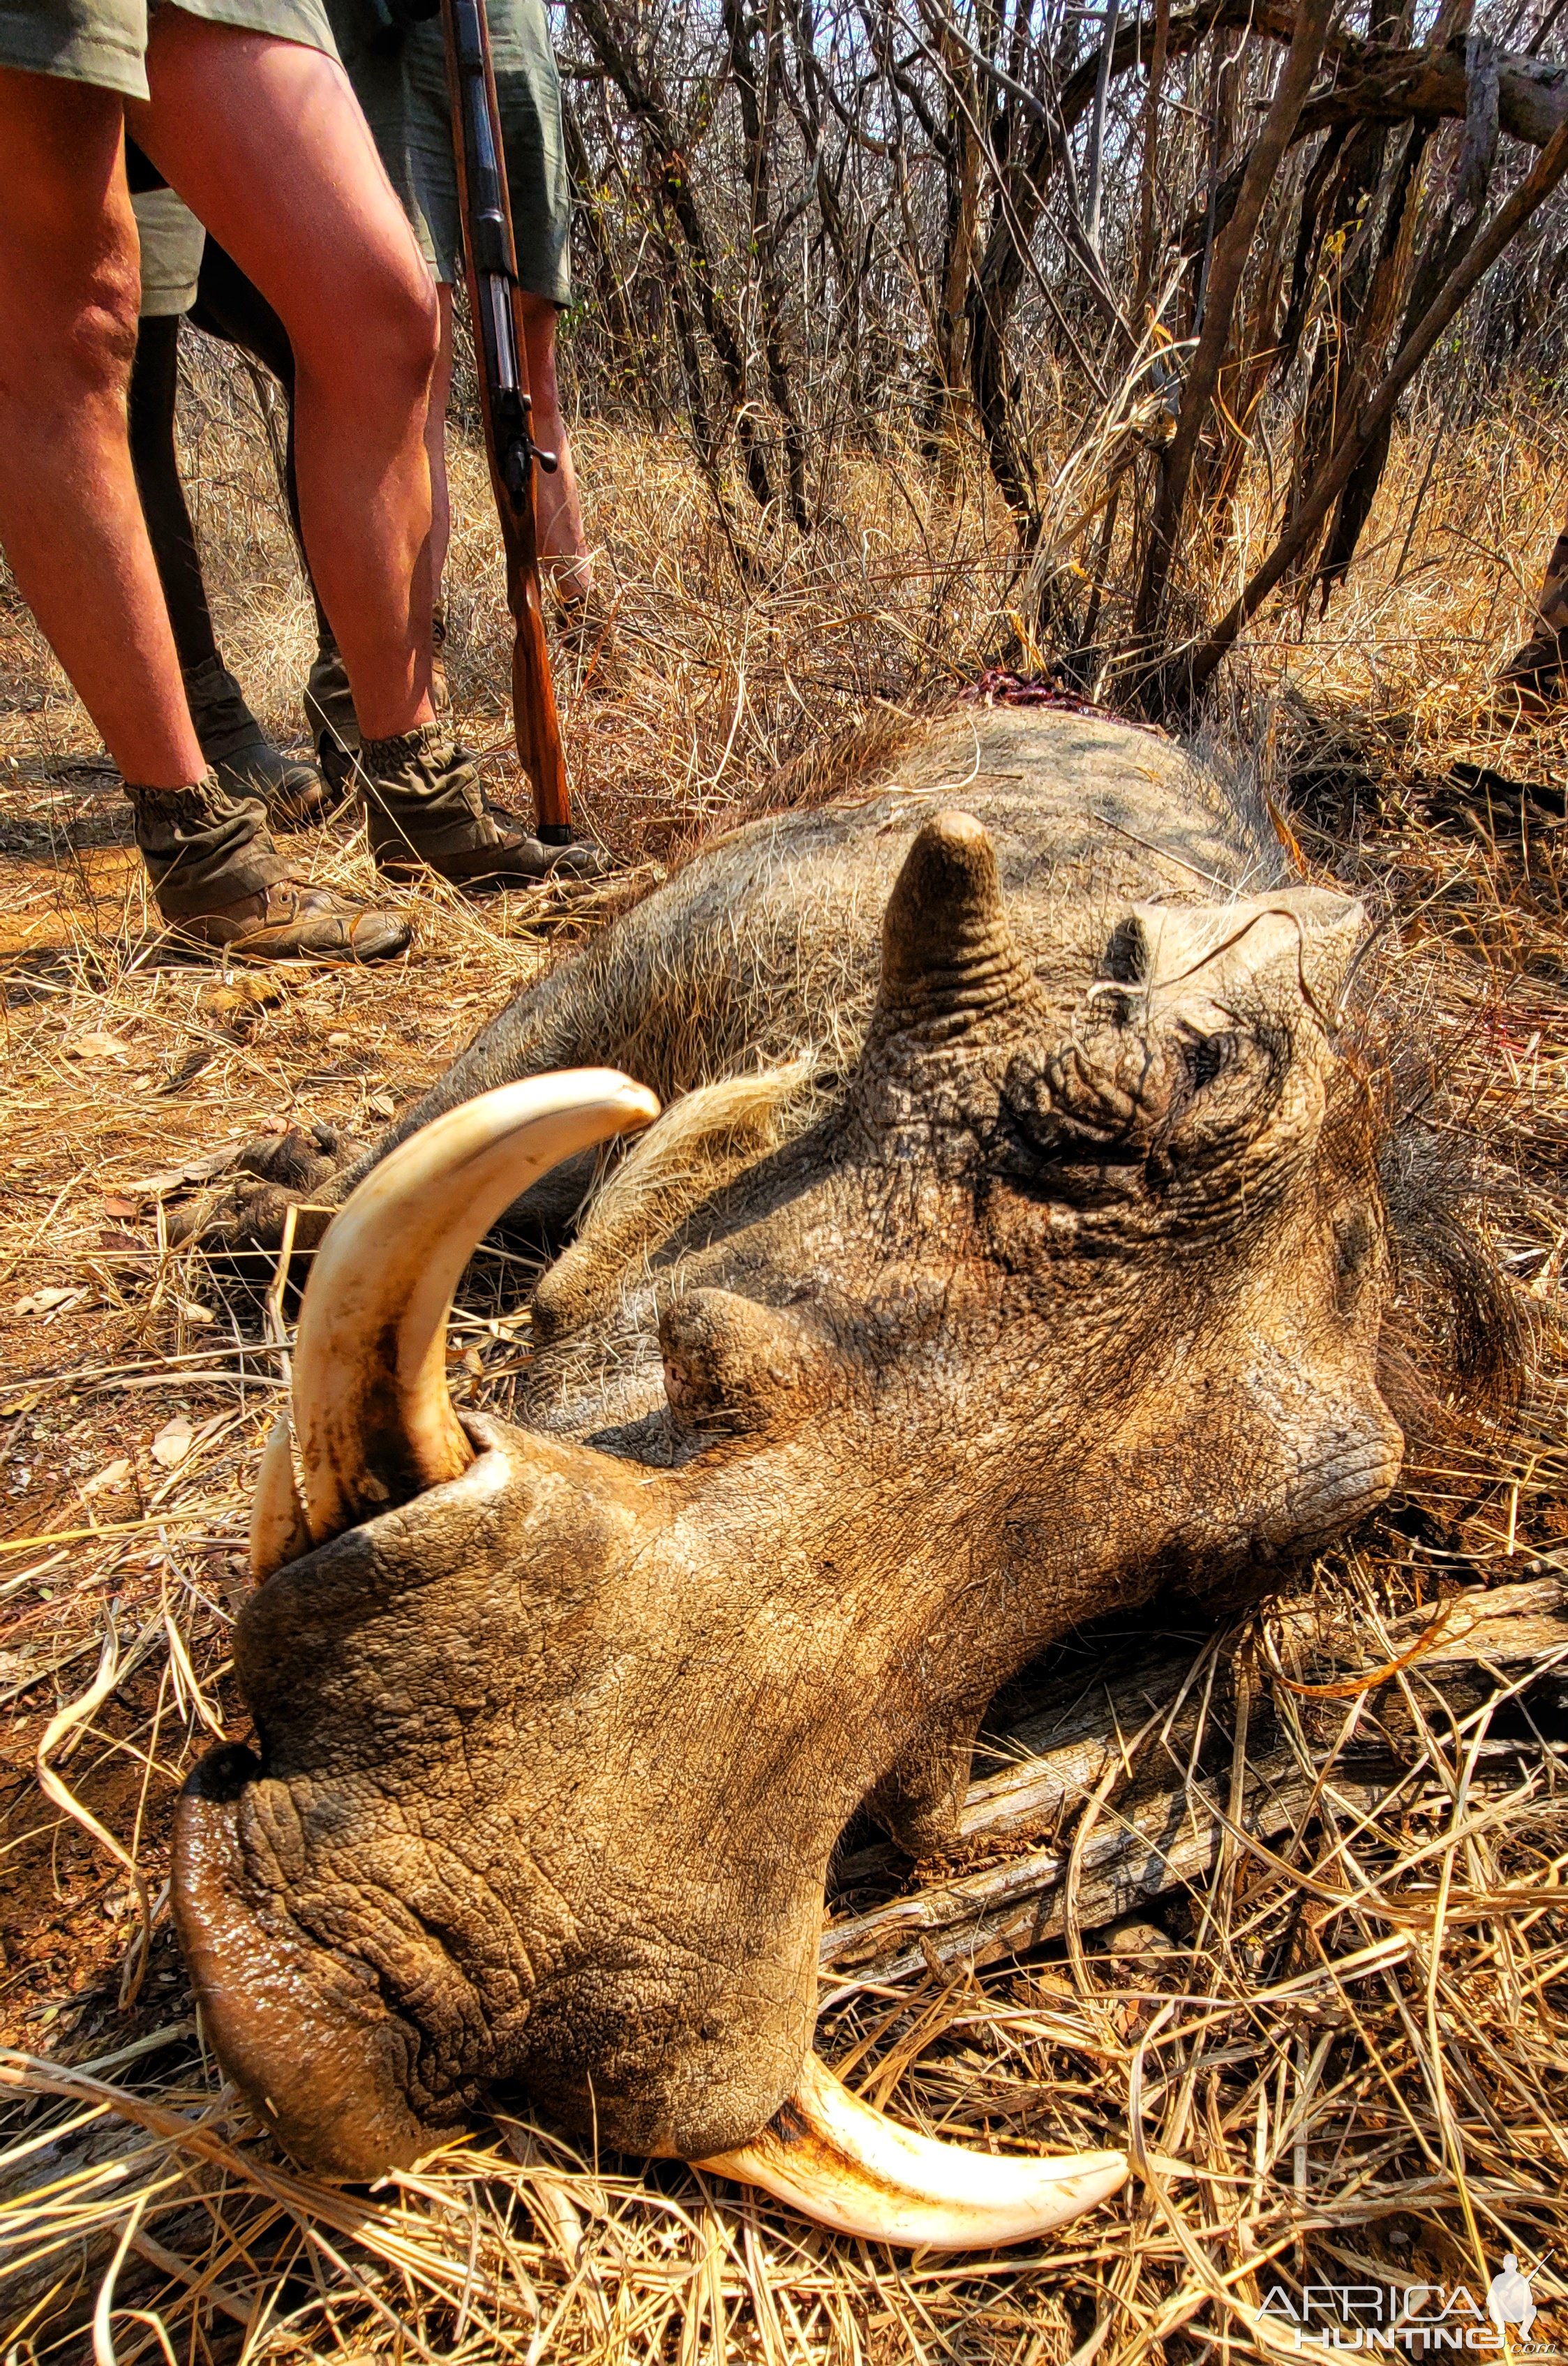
{"x": 561, "y": 536}
{"x": 70, "y": 517}
{"x": 440, "y": 492}
{"x": 427, "y": 806}
{"x": 264, "y": 140}
{"x": 563, "y": 545}
{"x": 73, "y": 527}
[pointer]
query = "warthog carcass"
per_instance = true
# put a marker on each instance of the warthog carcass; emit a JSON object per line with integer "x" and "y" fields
{"x": 1016, "y": 1249}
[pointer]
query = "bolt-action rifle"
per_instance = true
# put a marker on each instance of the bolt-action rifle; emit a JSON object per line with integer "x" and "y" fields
{"x": 494, "y": 297}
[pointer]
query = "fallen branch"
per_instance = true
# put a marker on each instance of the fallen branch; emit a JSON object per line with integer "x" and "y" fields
{"x": 1399, "y": 86}
{"x": 1167, "y": 1841}
{"x": 1410, "y": 86}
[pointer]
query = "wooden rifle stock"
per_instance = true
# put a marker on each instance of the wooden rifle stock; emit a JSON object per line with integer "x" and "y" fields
{"x": 491, "y": 258}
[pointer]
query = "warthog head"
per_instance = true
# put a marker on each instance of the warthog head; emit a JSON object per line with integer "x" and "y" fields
{"x": 1062, "y": 1301}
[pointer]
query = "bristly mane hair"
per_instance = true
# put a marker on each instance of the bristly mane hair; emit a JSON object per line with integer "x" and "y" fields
{"x": 1457, "y": 1352}
{"x": 831, "y": 764}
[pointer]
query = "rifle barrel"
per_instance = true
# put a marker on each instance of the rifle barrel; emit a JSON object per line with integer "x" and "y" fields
{"x": 492, "y": 257}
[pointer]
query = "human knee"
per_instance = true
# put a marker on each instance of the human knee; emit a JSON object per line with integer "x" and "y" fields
{"x": 70, "y": 292}
{"x": 422, "y": 331}
{"x": 414, "y": 327}
{"x": 98, "y": 325}
{"x": 387, "y": 349}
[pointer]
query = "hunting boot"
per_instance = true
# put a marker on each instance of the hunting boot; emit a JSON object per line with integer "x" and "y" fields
{"x": 329, "y": 701}
{"x": 222, "y": 883}
{"x": 425, "y": 806}
{"x": 244, "y": 760}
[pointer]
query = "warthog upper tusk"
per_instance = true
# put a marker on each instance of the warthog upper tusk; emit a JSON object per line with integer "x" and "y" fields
{"x": 846, "y": 2165}
{"x": 372, "y": 1414}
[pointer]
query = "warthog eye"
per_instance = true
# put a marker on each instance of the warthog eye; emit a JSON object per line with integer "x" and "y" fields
{"x": 1206, "y": 1057}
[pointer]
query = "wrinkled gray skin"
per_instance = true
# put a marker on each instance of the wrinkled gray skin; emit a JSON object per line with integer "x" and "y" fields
{"x": 1072, "y": 1288}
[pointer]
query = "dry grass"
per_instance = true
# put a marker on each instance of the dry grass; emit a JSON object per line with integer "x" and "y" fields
{"x": 1340, "y": 2052}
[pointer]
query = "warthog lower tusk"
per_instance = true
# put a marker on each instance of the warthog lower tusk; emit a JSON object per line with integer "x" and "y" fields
{"x": 372, "y": 1414}
{"x": 277, "y": 1516}
{"x": 846, "y": 2165}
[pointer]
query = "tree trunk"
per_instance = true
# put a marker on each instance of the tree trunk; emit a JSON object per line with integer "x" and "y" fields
{"x": 672, "y": 189}
{"x": 1219, "y": 312}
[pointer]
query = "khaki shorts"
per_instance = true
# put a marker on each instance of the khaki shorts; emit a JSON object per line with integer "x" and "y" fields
{"x": 105, "y": 41}
{"x": 171, "y": 241}
{"x": 403, "y": 93}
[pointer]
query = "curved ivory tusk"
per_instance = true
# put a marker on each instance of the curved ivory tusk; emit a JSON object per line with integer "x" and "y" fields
{"x": 279, "y": 1533}
{"x": 372, "y": 1414}
{"x": 846, "y": 2165}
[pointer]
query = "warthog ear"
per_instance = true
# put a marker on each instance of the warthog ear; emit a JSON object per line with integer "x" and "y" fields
{"x": 1186, "y": 1040}
{"x": 949, "y": 959}
{"x": 1218, "y": 954}
{"x": 701, "y": 1144}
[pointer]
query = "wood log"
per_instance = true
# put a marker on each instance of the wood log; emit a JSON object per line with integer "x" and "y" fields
{"x": 1382, "y": 86}
{"x": 1164, "y": 1842}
